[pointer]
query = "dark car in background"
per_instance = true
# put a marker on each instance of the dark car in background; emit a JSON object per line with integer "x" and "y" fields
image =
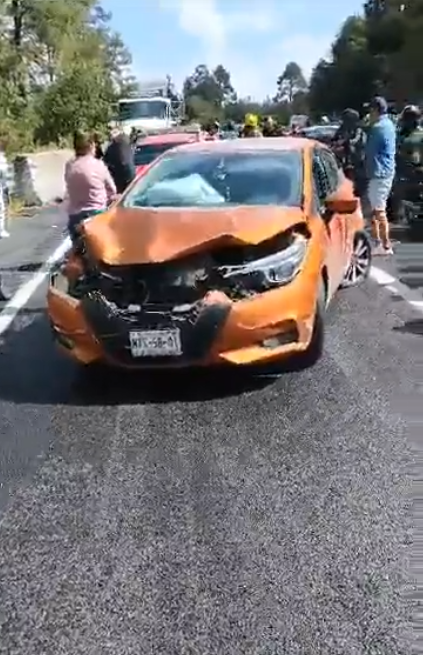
{"x": 323, "y": 133}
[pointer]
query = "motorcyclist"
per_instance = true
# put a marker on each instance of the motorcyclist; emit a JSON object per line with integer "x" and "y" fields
{"x": 349, "y": 144}
{"x": 269, "y": 127}
{"x": 409, "y": 122}
{"x": 250, "y": 129}
{"x": 213, "y": 131}
{"x": 230, "y": 130}
{"x": 410, "y": 143}
{"x": 409, "y": 178}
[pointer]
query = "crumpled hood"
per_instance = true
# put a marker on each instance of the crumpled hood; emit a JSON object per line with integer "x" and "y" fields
{"x": 142, "y": 236}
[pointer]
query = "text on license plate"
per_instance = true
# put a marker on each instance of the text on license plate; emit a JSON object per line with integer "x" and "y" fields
{"x": 155, "y": 343}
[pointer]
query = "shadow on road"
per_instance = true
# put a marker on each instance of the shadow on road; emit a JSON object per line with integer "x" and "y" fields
{"x": 411, "y": 327}
{"x": 33, "y": 371}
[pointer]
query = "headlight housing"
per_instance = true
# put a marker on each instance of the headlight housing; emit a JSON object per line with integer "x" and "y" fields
{"x": 269, "y": 272}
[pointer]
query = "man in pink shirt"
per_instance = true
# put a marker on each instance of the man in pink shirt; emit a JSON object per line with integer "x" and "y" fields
{"x": 89, "y": 186}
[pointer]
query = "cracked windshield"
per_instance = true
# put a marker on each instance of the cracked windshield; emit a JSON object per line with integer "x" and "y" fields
{"x": 211, "y": 323}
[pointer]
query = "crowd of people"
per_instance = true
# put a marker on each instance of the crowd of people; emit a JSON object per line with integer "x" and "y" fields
{"x": 370, "y": 151}
{"x": 95, "y": 178}
{"x": 382, "y": 156}
{"x": 374, "y": 152}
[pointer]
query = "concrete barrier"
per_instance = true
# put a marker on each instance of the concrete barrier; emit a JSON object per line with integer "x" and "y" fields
{"x": 38, "y": 178}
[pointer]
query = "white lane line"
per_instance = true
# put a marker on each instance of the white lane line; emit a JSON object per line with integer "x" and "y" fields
{"x": 24, "y": 293}
{"x": 27, "y": 290}
{"x": 393, "y": 285}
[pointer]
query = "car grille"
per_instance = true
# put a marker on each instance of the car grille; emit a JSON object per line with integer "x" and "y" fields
{"x": 156, "y": 284}
{"x": 199, "y": 325}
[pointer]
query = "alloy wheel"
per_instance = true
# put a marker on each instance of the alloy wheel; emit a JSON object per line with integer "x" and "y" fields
{"x": 361, "y": 259}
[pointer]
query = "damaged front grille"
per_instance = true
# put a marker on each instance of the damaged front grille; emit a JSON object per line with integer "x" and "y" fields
{"x": 169, "y": 283}
{"x": 198, "y": 325}
{"x": 189, "y": 279}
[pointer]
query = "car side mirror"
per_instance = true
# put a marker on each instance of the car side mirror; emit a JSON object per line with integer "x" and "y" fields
{"x": 336, "y": 205}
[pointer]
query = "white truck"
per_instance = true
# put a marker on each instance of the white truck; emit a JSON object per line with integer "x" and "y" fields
{"x": 156, "y": 108}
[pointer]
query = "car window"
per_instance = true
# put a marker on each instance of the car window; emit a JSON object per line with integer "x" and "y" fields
{"x": 145, "y": 154}
{"x": 207, "y": 179}
{"x": 326, "y": 172}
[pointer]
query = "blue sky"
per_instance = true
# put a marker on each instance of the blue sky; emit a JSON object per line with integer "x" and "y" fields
{"x": 253, "y": 40}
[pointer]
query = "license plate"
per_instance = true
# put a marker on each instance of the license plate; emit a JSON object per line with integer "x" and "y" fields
{"x": 155, "y": 343}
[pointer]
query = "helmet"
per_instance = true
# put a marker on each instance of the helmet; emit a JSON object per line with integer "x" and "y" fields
{"x": 410, "y": 113}
{"x": 350, "y": 115}
{"x": 251, "y": 120}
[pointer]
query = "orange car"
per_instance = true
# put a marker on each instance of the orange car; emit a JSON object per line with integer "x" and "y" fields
{"x": 221, "y": 253}
{"x": 148, "y": 148}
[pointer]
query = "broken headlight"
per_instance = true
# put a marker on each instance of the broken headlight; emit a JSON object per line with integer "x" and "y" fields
{"x": 269, "y": 272}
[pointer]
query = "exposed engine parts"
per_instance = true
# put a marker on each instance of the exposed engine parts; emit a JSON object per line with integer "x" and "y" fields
{"x": 235, "y": 273}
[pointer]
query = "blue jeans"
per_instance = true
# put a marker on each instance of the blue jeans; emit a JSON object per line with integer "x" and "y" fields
{"x": 75, "y": 220}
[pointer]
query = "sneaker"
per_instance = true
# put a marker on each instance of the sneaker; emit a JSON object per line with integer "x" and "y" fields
{"x": 4, "y": 234}
{"x": 388, "y": 250}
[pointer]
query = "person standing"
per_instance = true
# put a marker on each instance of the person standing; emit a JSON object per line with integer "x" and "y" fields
{"x": 89, "y": 185}
{"x": 380, "y": 157}
{"x": 119, "y": 159}
{"x": 4, "y": 167}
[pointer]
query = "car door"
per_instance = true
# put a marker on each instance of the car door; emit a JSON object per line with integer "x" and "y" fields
{"x": 329, "y": 179}
{"x": 345, "y": 189}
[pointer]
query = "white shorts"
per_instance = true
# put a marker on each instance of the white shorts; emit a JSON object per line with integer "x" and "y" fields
{"x": 378, "y": 192}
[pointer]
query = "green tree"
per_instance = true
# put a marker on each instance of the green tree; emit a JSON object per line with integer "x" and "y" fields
{"x": 64, "y": 107}
{"x": 208, "y": 92}
{"x": 223, "y": 80}
{"x": 290, "y": 82}
{"x": 352, "y": 74}
{"x": 57, "y": 58}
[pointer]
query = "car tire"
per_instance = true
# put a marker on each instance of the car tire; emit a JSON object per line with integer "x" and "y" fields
{"x": 361, "y": 260}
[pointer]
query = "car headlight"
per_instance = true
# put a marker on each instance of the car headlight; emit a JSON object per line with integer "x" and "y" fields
{"x": 271, "y": 271}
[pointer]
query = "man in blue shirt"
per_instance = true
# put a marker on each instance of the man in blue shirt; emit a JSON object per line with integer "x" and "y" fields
{"x": 380, "y": 170}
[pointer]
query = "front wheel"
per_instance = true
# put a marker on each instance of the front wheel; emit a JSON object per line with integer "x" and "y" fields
{"x": 361, "y": 260}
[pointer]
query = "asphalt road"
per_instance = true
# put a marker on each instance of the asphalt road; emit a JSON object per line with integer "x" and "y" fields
{"x": 196, "y": 515}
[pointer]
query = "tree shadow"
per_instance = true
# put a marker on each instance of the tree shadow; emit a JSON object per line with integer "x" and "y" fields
{"x": 33, "y": 371}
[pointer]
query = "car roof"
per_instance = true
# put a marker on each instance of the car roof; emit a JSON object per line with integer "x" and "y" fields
{"x": 158, "y": 139}
{"x": 279, "y": 143}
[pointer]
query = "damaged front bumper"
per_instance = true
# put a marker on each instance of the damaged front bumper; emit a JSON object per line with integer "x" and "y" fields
{"x": 213, "y": 331}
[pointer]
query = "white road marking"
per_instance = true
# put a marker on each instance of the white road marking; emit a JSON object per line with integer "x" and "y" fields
{"x": 27, "y": 290}
{"x": 393, "y": 285}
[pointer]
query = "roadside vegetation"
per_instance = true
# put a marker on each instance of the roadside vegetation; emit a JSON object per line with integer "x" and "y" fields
{"x": 62, "y": 67}
{"x": 377, "y": 52}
